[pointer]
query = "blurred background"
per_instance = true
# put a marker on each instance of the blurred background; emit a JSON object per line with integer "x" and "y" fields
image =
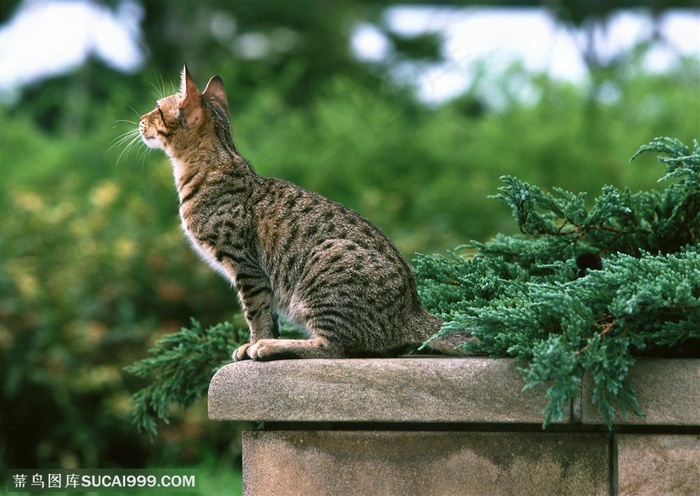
{"x": 406, "y": 113}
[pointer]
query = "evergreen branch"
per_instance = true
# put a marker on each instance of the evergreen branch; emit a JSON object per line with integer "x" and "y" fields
{"x": 523, "y": 296}
{"x": 180, "y": 367}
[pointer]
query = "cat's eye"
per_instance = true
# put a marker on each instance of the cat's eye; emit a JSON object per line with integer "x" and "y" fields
{"x": 162, "y": 116}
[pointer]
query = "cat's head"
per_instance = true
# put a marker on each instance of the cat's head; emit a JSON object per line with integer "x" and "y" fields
{"x": 188, "y": 120}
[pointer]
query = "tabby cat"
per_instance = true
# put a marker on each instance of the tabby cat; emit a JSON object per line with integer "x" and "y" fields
{"x": 289, "y": 252}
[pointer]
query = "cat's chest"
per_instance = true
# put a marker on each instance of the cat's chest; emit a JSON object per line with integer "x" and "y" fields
{"x": 209, "y": 250}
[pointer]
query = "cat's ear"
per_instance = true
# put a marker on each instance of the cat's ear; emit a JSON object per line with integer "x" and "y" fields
{"x": 188, "y": 90}
{"x": 215, "y": 93}
{"x": 190, "y": 102}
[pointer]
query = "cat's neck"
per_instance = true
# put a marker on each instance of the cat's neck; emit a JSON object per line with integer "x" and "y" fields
{"x": 209, "y": 164}
{"x": 197, "y": 170}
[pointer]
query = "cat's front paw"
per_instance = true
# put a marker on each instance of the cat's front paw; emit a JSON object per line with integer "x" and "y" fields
{"x": 262, "y": 350}
{"x": 241, "y": 353}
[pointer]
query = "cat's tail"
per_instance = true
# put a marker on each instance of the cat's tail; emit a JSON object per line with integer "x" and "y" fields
{"x": 447, "y": 343}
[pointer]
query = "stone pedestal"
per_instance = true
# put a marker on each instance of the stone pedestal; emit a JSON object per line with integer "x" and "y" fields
{"x": 453, "y": 426}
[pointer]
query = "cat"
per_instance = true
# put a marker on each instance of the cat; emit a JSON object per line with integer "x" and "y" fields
{"x": 289, "y": 252}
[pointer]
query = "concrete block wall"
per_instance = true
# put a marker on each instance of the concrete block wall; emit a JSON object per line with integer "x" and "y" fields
{"x": 462, "y": 426}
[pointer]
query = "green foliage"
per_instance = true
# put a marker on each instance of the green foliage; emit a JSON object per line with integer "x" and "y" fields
{"x": 180, "y": 368}
{"x": 582, "y": 289}
{"x": 619, "y": 221}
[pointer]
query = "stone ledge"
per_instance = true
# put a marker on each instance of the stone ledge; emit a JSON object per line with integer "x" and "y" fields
{"x": 431, "y": 390}
{"x": 465, "y": 390}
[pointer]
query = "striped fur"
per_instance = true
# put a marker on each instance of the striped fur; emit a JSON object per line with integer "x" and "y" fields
{"x": 289, "y": 252}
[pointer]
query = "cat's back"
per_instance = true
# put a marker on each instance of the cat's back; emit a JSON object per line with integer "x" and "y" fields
{"x": 289, "y": 216}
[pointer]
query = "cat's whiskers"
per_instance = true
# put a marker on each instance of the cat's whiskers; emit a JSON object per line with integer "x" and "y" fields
{"x": 135, "y": 112}
{"x": 159, "y": 89}
{"x": 132, "y": 138}
{"x": 128, "y": 140}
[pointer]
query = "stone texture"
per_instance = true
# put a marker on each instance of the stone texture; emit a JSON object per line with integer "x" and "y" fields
{"x": 471, "y": 390}
{"x": 436, "y": 463}
{"x": 658, "y": 465}
{"x": 667, "y": 390}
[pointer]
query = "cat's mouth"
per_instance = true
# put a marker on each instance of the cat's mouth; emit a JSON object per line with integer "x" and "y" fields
{"x": 150, "y": 141}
